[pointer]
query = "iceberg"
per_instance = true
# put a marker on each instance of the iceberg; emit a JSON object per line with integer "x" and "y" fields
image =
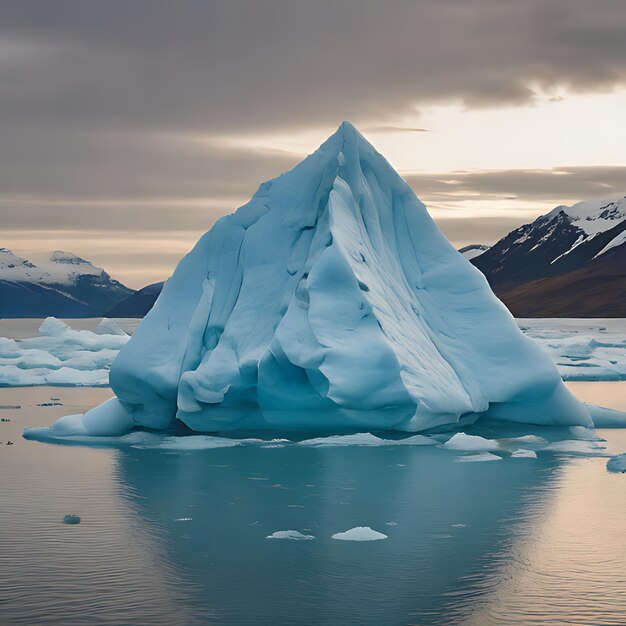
{"x": 61, "y": 355}
{"x": 331, "y": 302}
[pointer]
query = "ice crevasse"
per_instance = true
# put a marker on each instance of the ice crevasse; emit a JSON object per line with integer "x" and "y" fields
{"x": 331, "y": 301}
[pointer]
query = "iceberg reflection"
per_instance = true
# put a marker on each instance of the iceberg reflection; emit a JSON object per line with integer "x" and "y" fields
{"x": 444, "y": 520}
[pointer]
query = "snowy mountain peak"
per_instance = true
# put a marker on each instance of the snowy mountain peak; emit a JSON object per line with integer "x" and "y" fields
{"x": 593, "y": 216}
{"x": 63, "y": 281}
{"x": 568, "y": 239}
{"x": 52, "y": 270}
{"x": 65, "y": 267}
{"x": 10, "y": 261}
{"x": 58, "y": 256}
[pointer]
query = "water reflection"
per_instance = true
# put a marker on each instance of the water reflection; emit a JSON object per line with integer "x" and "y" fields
{"x": 445, "y": 521}
{"x": 179, "y": 537}
{"x": 566, "y": 563}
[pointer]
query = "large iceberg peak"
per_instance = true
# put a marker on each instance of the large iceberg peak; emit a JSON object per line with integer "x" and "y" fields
{"x": 332, "y": 302}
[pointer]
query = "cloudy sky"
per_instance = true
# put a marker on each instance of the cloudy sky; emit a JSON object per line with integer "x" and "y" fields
{"x": 128, "y": 126}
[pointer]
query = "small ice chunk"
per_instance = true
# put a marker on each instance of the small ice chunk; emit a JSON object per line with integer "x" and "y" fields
{"x": 524, "y": 454}
{"x": 415, "y": 440}
{"x": 359, "y": 533}
{"x": 461, "y": 441}
{"x": 357, "y": 439}
{"x": 533, "y": 439}
{"x": 290, "y": 534}
{"x": 71, "y": 519}
{"x": 617, "y": 464}
{"x": 477, "y": 458}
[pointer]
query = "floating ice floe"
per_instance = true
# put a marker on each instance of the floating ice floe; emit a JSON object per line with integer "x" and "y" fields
{"x": 506, "y": 447}
{"x": 61, "y": 356}
{"x": 617, "y": 464}
{"x": 290, "y": 534}
{"x": 359, "y": 533}
{"x": 583, "y": 349}
{"x": 477, "y": 458}
{"x": 367, "y": 439}
{"x": 461, "y": 441}
{"x": 527, "y": 440}
{"x": 523, "y": 454}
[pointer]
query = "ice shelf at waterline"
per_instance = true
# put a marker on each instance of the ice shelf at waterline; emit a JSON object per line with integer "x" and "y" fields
{"x": 331, "y": 301}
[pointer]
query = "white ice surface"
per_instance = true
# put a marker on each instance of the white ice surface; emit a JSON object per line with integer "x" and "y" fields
{"x": 367, "y": 439}
{"x": 528, "y": 439}
{"x": 524, "y": 454}
{"x": 596, "y": 215}
{"x": 360, "y": 533}
{"x": 61, "y": 355}
{"x": 583, "y": 349}
{"x": 290, "y": 534}
{"x": 461, "y": 441}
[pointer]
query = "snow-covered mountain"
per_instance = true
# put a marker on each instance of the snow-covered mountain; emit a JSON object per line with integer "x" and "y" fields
{"x": 62, "y": 284}
{"x": 569, "y": 262}
{"x": 59, "y": 268}
{"x": 473, "y": 250}
{"x": 563, "y": 240}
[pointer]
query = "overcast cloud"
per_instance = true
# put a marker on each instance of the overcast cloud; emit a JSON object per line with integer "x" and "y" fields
{"x": 128, "y": 104}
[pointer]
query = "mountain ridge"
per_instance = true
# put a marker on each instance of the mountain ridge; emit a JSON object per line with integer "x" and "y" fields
{"x": 63, "y": 285}
{"x": 570, "y": 262}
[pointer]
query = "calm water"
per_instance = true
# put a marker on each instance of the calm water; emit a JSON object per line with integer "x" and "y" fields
{"x": 179, "y": 537}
